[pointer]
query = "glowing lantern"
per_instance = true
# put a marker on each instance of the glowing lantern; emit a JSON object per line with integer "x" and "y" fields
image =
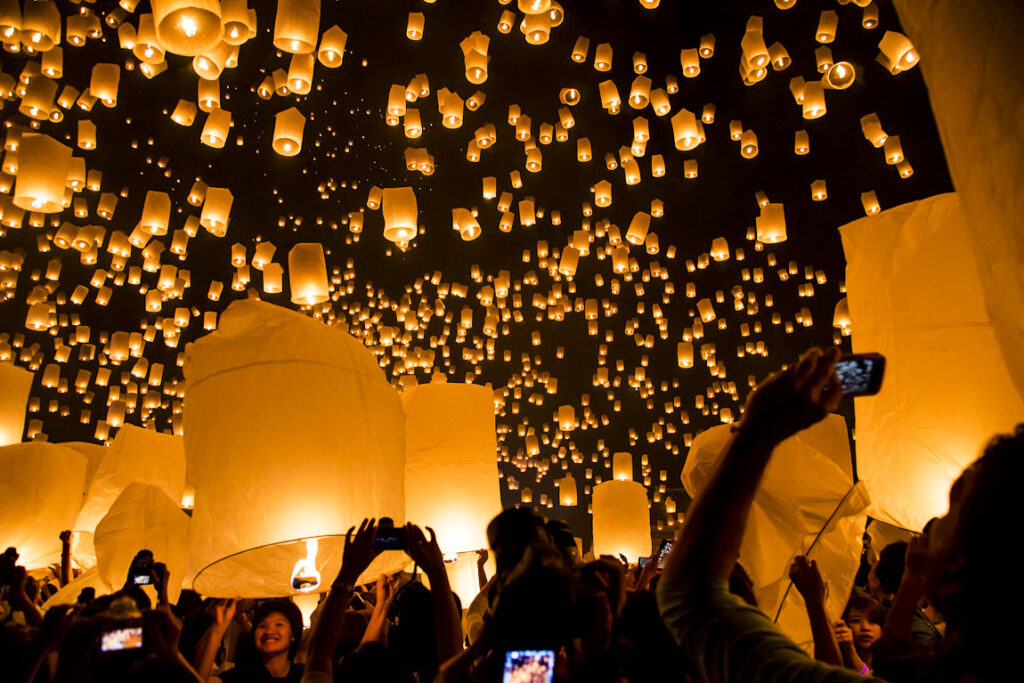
{"x": 40, "y": 25}
{"x": 690, "y": 61}
{"x": 216, "y": 210}
{"x": 706, "y": 310}
{"x": 300, "y": 73}
{"x": 15, "y": 385}
{"x": 603, "y": 193}
{"x": 603, "y": 57}
{"x": 136, "y": 456}
{"x": 720, "y": 249}
{"x": 296, "y": 25}
{"x": 896, "y": 52}
{"x": 684, "y": 354}
{"x": 807, "y": 503}
{"x": 142, "y": 516}
{"x": 451, "y": 474}
{"x": 187, "y": 27}
{"x": 639, "y": 92}
{"x": 872, "y": 129}
{"x": 212, "y": 63}
{"x": 414, "y": 26}
{"x": 638, "y": 228}
{"x": 748, "y": 144}
{"x": 307, "y": 274}
{"x": 321, "y": 451}
{"x": 583, "y": 152}
{"x": 398, "y": 205}
{"x": 288, "y": 126}
{"x": 755, "y": 52}
{"x": 580, "y": 48}
{"x": 840, "y": 76}
{"x": 914, "y": 297}
{"x": 156, "y": 212}
{"x": 690, "y": 168}
{"x": 893, "y": 150}
{"x": 819, "y": 191}
{"x": 622, "y": 521}
{"x": 332, "y": 47}
{"x": 779, "y": 57}
{"x": 239, "y": 21}
{"x": 685, "y": 131}
{"x": 43, "y": 165}
{"x": 870, "y": 18}
{"x": 813, "y": 100}
{"x": 869, "y": 200}
{"x": 185, "y": 112}
{"x": 536, "y": 28}
{"x": 466, "y": 223}
{"x": 35, "y": 510}
{"x": 568, "y": 263}
{"x": 104, "y": 81}
{"x": 622, "y": 466}
{"x": 827, "y": 22}
{"x": 841, "y": 316}
{"x": 801, "y": 142}
{"x": 215, "y": 130}
{"x": 771, "y": 224}
{"x": 567, "y": 491}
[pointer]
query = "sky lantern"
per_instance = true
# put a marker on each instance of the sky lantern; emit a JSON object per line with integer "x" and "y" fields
{"x": 43, "y": 165}
{"x": 622, "y": 520}
{"x": 828, "y": 20}
{"x": 216, "y": 128}
{"x": 638, "y": 228}
{"x": 896, "y": 52}
{"x": 105, "y": 78}
{"x": 41, "y": 25}
{"x": 156, "y": 212}
{"x": 567, "y": 494}
{"x": 332, "y": 47}
{"x": 684, "y": 130}
{"x": 813, "y": 100}
{"x": 216, "y": 210}
{"x": 320, "y": 452}
{"x": 771, "y": 224}
{"x": 400, "y": 214}
{"x": 288, "y": 126}
{"x": 451, "y": 475}
{"x": 239, "y": 21}
{"x": 35, "y": 510}
{"x": 307, "y": 274}
{"x": 297, "y": 25}
{"x": 188, "y": 27}
{"x": 15, "y": 385}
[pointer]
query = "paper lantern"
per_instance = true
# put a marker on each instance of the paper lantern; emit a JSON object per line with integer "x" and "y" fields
{"x": 136, "y": 456}
{"x": 332, "y": 47}
{"x": 567, "y": 491}
{"x": 15, "y": 385}
{"x": 622, "y": 520}
{"x": 840, "y": 76}
{"x": 827, "y": 23}
{"x": 156, "y": 213}
{"x": 142, "y": 517}
{"x": 307, "y": 274}
{"x": 211, "y": 63}
{"x": 869, "y": 20}
{"x": 813, "y": 100}
{"x": 215, "y": 130}
{"x": 305, "y": 461}
{"x": 40, "y": 25}
{"x": 801, "y": 142}
{"x": 684, "y": 354}
{"x": 748, "y": 144}
{"x": 43, "y": 165}
{"x": 896, "y": 52}
{"x": 398, "y": 204}
{"x": 184, "y": 113}
{"x": 771, "y": 224}
{"x": 216, "y": 210}
{"x": 685, "y": 131}
{"x": 638, "y": 228}
{"x": 239, "y": 21}
{"x": 893, "y": 150}
{"x": 807, "y": 504}
{"x": 536, "y": 28}
{"x": 104, "y": 82}
{"x": 603, "y": 57}
{"x": 296, "y": 25}
{"x": 300, "y": 73}
{"x": 34, "y": 510}
{"x": 926, "y": 314}
{"x": 451, "y": 471}
{"x": 288, "y": 127}
{"x": 706, "y": 310}
{"x": 819, "y": 190}
{"x": 187, "y": 27}
{"x": 414, "y": 26}
{"x": 622, "y": 466}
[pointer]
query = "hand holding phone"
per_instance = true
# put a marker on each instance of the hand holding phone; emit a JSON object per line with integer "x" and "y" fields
{"x": 529, "y": 666}
{"x": 141, "y": 571}
{"x": 861, "y": 374}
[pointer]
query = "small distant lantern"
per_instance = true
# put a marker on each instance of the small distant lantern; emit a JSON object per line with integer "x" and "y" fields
{"x": 307, "y": 274}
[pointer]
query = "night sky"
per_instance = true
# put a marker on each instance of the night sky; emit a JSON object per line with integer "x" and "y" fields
{"x": 651, "y": 406}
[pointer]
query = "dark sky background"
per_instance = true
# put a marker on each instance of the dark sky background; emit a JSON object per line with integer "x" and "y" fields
{"x": 347, "y": 148}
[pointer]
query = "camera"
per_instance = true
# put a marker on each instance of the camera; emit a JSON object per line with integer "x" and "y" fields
{"x": 141, "y": 571}
{"x": 861, "y": 374}
{"x": 529, "y": 665}
{"x": 388, "y": 537}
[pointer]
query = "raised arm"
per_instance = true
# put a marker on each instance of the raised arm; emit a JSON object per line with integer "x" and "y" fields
{"x": 223, "y": 611}
{"x": 447, "y": 619}
{"x": 807, "y": 579}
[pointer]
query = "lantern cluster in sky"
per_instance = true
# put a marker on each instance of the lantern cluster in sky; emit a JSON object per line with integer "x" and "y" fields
{"x": 641, "y": 225}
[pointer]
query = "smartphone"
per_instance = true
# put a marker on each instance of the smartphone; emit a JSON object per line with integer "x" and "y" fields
{"x": 388, "y": 537}
{"x": 642, "y": 561}
{"x": 529, "y": 666}
{"x": 861, "y": 373}
{"x": 141, "y": 571}
{"x": 118, "y": 639}
{"x": 663, "y": 552}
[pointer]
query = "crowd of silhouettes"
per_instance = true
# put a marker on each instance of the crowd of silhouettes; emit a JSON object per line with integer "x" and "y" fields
{"x": 934, "y": 608}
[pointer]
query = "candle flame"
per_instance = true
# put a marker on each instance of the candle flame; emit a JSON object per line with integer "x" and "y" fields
{"x": 305, "y": 577}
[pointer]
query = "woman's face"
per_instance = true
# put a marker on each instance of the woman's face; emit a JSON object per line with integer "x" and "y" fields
{"x": 865, "y": 631}
{"x": 273, "y": 634}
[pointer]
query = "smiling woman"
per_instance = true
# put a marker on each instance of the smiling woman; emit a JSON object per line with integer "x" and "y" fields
{"x": 276, "y": 633}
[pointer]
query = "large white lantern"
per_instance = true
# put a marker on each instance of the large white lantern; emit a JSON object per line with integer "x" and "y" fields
{"x": 15, "y": 385}
{"x": 807, "y": 504}
{"x": 40, "y": 493}
{"x": 622, "y": 520}
{"x": 137, "y": 456}
{"x": 142, "y": 517}
{"x": 451, "y": 468}
{"x": 293, "y": 435}
{"x": 916, "y": 295}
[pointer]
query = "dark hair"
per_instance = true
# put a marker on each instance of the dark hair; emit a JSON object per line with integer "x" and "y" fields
{"x": 290, "y": 611}
{"x": 889, "y": 568}
{"x": 509, "y": 534}
{"x": 862, "y": 602}
{"x": 972, "y": 592}
{"x": 373, "y": 663}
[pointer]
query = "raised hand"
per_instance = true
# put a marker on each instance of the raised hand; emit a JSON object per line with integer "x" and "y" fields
{"x": 793, "y": 399}
{"x": 359, "y": 551}
{"x": 425, "y": 553}
{"x": 842, "y": 632}
{"x": 916, "y": 558}
{"x": 807, "y": 579}
{"x": 223, "y": 612}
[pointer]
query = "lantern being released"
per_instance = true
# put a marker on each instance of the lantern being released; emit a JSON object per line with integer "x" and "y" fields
{"x": 622, "y": 520}
{"x": 451, "y": 470}
{"x": 807, "y": 504}
{"x": 292, "y": 434}
{"x": 15, "y": 385}
{"x": 34, "y": 510}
